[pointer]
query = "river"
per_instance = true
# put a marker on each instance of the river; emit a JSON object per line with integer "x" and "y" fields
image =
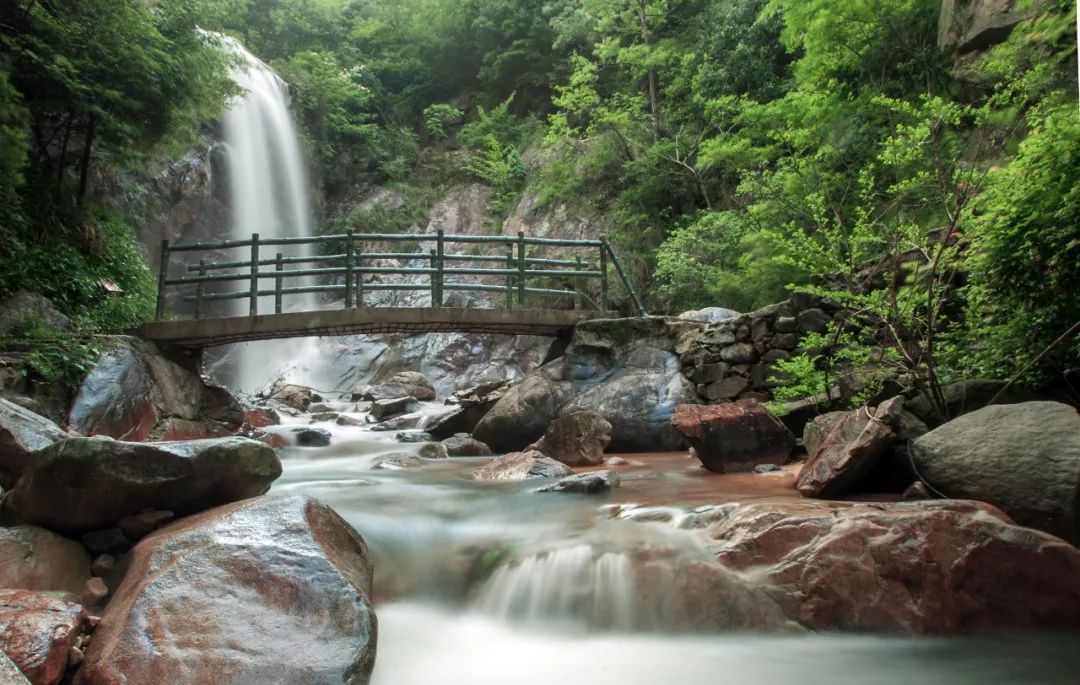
{"x": 493, "y": 584}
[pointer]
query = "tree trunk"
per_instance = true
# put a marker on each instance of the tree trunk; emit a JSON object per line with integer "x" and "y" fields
{"x": 88, "y": 147}
{"x": 63, "y": 155}
{"x": 654, "y": 97}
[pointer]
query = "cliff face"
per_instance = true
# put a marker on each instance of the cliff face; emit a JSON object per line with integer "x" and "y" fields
{"x": 971, "y": 25}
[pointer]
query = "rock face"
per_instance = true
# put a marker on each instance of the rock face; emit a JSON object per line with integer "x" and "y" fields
{"x": 10, "y": 673}
{"x": 87, "y": 484}
{"x": 38, "y": 633}
{"x": 734, "y": 437}
{"x": 592, "y": 483}
{"x": 33, "y": 558}
{"x": 921, "y": 567}
{"x": 817, "y": 428}
{"x": 22, "y": 432}
{"x": 402, "y": 384}
{"x": 626, "y": 370}
{"x": 577, "y": 439}
{"x": 1023, "y": 458}
{"x": 24, "y": 309}
{"x": 271, "y": 590}
{"x": 520, "y": 466}
{"x": 134, "y": 393}
{"x": 967, "y": 25}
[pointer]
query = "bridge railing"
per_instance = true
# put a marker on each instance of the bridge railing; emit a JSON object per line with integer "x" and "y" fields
{"x": 267, "y": 269}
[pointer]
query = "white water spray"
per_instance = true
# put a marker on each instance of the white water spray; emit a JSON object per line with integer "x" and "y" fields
{"x": 269, "y": 195}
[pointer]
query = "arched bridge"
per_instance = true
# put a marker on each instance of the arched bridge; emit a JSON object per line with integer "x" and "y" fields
{"x": 282, "y": 277}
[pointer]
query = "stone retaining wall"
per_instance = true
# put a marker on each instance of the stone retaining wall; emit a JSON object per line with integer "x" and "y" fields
{"x": 733, "y": 359}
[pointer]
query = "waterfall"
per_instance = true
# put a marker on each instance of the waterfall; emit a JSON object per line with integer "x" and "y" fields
{"x": 269, "y": 194}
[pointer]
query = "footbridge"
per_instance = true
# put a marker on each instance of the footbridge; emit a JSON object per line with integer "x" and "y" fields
{"x": 259, "y": 289}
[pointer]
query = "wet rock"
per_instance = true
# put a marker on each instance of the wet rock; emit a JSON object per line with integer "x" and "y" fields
{"x": 343, "y": 420}
{"x": 522, "y": 415}
{"x": 465, "y": 446}
{"x": 37, "y": 633}
{"x": 23, "y": 310}
{"x": 709, "y": 315}
{"x": 734, "y": 437}
{"x": 94, "y": 592}
{"x": 85, "y": 484}
{"x": 576, "y": 439}
{"x": 324, "y": 416}
{"x": 433, "y": 450}
{"x": 767, "y": 468}
{"x": 261, "y": 417}
{"x": 297, "y": 397}
{"x": 22, "y": 432}
{"x": 312, "y": 437}
{"x": 10, "y": 673}
{"x": 413, "y": 437}
{"x": 385, "y": 409}
{"x": 138, "y": 526}
{"x": 520, "y": 466}
{"x": 398, "y": 462}
{"x": 33, "y": 558}
{"x": 591, "y": 483}
{"x": 270, "y": 590}
{"x": 615, "y": 461}
{"x": 1023, "y": 458}
{"x": 106, "y": 540}
{"x": 407, "y": 422}
{"x": 920, "y": 567}
{"x": 404, "y": 384}
{"x": 135, "y": 393}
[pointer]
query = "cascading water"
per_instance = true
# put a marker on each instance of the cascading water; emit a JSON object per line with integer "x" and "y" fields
{"x": 269, "y": 194}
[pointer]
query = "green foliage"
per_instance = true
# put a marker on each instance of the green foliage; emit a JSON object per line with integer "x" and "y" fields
{"x": 438, "y": 117}
{"x": 1025, "y": 257}
{"x": 61, "y": 359}
{"x": 501, "y": 167}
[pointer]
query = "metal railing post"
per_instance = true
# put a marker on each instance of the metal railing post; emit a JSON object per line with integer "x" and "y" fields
{"x": 279, "y": 278}
{"x": 253, "y": 302}
{"x": 625, "y": 280}
{"x": 578, "y": 284}
{"x": 439, "y": 266}
{"x": 359, "y": 274}
{"x": 163, "y": 275}
{"x": 349, "y": 270}
{"x": 199, "y": 290}
{"x": 509, "y": 277}
{"x": 521, "y": 269}
{"x": 603, "y": 276}
{"x": 431, "y": 278}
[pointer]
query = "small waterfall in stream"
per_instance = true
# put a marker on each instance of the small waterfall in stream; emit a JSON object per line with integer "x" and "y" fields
{"x": 269, "y": 193}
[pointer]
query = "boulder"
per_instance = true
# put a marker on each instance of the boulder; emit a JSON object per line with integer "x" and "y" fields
{"x": 520, "y": 466}
{"x": 38, "y": 633}
{"x": 709, "y": 315}
{"x": 465, "y": 446}
{"x": 969, "y": 25}
{"x": 576, "y": 439}
{"x": 270, "y": 590}
{"x": 626, "y": 370}
{"x": 33, "y": 558}
{"x": 468, "y": 408}
{"x": 398, "y": 462}
{"x": 847, "y": 453}
{"x": 401, "y": 385}
{"x": 967, "y": 396}
{"x": 943, "y": 566}
{"x": 433, "y": 450}
{"x": 591, "y": 483}
{"x": 85, "y": 484}
{"x": 1022, "y": 458}
{"x": 21, "y": 433}
{"x": 385, "y": 409}
{"x": 817, "y": 428}
{"x": 312, "y": 437}
{"x": 133, "y": 390}
{"x": 734, "y": 437}
{"x": 298, "y": 397}
{"x": 10, "y": 673}
{"x": 23, "y": 310}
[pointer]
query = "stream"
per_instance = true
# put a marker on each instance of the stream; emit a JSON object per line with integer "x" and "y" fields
{"x": 492, "y": 583}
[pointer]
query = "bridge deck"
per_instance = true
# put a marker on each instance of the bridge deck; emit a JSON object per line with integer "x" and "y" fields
{"x": 210, "y": 332}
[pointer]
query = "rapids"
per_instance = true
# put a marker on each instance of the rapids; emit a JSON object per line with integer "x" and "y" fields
{"x": 491, "y": 583}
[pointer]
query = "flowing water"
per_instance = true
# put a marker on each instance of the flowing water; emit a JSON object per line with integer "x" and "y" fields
{"x": 493, "y": 584}
{"x": 269, "y": 195}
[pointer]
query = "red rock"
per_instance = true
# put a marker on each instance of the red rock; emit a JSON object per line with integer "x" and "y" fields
{"x": 521, "y": 466}
{"x": 734, "y": 437}
{"x": 38, "y": 633}
{"x": 261, "y": 417}
{"x": 173, "y": 429}
{"x": 944, "y": 566}
{"x": 275, "y": 440}
{"x": 268, "y": 590}
{"x": 94, "y": 592}
{"x": 848, "y": 452}
{"x": 138, "y": 526}
{"x": 33, "y": 558}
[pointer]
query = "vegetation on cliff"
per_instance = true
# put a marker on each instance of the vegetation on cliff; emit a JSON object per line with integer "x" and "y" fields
{"x": 737, "y": 148}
